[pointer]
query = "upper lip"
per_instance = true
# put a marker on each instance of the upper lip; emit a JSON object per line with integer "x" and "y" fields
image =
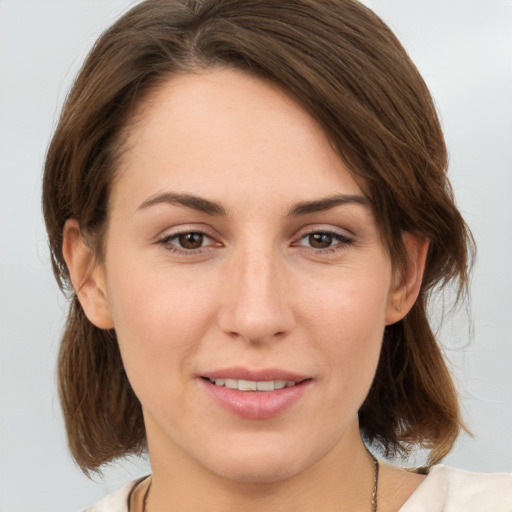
{"x": 261, "y": 374}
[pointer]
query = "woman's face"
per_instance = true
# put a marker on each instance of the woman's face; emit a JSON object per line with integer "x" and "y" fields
{"x": 240, "y": 253}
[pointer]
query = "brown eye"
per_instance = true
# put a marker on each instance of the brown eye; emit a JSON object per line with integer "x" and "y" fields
{"x": 191, "y": 240}
{"x": 320, "y": 240}
{"x": 188, "y": 243}
{"x": 325, "y": 241}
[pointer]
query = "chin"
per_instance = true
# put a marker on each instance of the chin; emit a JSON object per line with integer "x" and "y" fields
{"x": 262, "y": 464}
{"x": 258, "y": 472}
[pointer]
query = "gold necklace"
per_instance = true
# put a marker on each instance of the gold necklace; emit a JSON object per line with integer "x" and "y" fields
{"x": 374, "y": 490}
{"x": 375, "y": 483}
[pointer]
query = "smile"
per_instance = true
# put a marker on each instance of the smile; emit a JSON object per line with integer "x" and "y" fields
{"x": 263, "y": 396}
{"x": 253, "y": 385}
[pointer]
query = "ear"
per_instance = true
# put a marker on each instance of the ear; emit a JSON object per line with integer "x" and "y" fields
{"x": 405, "y": 291}
{"x": 87, "y": 278}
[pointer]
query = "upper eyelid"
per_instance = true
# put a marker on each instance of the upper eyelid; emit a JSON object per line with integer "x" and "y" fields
{"x": 213, "y": 235}
{"x": 324, "y": 230}
{"x": 336, "y": 231}
{"x": 341, "y": 240}
{"x": 170, "y": 236}
{"x": 186, "y": 232}
{"x": 166, "y": 236}
{"x": 180, "y": 230}
{"x": 165, "y": 243}
{"x": 337, "y": 237}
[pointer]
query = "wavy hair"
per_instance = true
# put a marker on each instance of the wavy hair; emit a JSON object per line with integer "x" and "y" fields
{"x": 348, "y": 70}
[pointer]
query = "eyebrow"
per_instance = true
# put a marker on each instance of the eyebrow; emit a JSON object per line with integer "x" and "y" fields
{"x": 187, "y": 200}
{"x": 214, "y": 208}
{"x": 327, "y": 203}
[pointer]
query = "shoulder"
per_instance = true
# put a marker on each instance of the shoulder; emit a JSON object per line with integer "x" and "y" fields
{"x": 117, "y": 501}
{"x": 447, "y": 489}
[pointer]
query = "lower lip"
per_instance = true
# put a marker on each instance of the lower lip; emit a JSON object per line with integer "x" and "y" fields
{"x": 256, "y": 405}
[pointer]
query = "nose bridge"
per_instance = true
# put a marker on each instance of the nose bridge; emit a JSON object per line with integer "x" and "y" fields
{"x": 256, "y": 306}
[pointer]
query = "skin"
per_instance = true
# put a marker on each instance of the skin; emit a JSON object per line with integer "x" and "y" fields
{"x": 257, "y": 292}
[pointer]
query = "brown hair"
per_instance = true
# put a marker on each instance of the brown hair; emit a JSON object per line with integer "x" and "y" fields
{"x": 347, "y": 69}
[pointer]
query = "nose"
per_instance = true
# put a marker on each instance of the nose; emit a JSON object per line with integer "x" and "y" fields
{"x": 256, "y": 304}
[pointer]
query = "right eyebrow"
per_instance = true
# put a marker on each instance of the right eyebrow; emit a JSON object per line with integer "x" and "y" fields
{"x": 189, "y": 201}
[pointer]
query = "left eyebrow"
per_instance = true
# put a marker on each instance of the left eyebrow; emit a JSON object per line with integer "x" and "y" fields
{"x": 319, "y": 205}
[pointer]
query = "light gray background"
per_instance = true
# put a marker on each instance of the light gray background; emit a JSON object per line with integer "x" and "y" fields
{"x": 464, "y": 50}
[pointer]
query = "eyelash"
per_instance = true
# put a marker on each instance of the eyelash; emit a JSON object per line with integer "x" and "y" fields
{"x": 167, "y": 245}
{"x": 342, "y": 242}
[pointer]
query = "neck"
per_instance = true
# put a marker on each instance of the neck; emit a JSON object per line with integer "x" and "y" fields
{"x": 340, "y": 481}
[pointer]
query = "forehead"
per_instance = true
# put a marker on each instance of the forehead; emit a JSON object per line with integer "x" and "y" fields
{"x": 227, "y": 135}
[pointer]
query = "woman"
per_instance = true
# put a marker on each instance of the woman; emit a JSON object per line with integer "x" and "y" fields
{"x": 250, "y": 201}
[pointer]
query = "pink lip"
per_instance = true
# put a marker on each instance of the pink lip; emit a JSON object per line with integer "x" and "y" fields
{"x": 255, "y": 405}
{"x": 240, "y": 373}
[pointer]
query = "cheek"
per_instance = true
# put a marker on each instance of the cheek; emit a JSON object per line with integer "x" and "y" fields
{"x": 348, "y": 323}
{"x": 158, "y": 319}
{"x": 351, "y": 303}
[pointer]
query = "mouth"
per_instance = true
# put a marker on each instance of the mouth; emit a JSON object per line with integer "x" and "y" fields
{"x": 256, "y": 395}
{"x": 253, "y": 385}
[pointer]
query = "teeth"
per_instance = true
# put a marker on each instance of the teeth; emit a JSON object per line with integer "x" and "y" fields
{"x": 253, "y": 385}
{"x": 265, "y": 385}
{"x": 279, "y": 384}
{"x": 247, "y": 385}
{"x": 231, "y": 383}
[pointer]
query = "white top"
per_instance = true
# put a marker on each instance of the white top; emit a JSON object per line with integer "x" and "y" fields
{"x": 443, "y": 490}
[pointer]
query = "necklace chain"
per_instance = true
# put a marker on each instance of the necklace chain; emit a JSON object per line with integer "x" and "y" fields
{"x": 375, "y": 484}
{"x": 374, "y": 490}
{"x": 146, "y": 495}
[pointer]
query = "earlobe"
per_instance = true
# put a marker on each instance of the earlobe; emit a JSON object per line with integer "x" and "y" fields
{"x": 87, "y": 277}
{"x": 405, "y": 292}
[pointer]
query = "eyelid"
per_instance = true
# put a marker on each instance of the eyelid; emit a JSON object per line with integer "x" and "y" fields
{"x": 170, "y": 236}
{"x": 180, "y": 229}
{"x": 330, "y": 230}
{"x": 343, "y": 239}
{"x": 164, "y": 239}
